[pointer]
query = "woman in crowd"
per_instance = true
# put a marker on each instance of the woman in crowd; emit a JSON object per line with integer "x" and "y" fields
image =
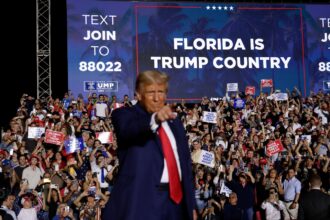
{"x": 272, "y": 205}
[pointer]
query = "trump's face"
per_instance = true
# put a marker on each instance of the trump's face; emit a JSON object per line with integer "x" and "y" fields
{"x": 152, "y": 97}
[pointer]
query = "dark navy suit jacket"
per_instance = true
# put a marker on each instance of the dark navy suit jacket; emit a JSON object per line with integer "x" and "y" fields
{"x": 314, "y": 205}
{"x": 141, "y": 162}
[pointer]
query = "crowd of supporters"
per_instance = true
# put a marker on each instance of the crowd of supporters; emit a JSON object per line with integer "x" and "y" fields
{"x": 244, "y": 179}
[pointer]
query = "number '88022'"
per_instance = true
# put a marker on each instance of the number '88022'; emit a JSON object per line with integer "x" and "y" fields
{"x": 100, "y": 66}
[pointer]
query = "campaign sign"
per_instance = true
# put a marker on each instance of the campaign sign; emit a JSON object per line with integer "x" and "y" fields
{"x": 232, "y": 87}
{"x": 207, "y": 158}
{"x": 35, "y": 132}
{"x": 105, "y": 137}
{"x": 54, "y": 137}
{"x": 73, "y": 144}
{"x": 303, "y": 137}
{"x": 280, "y": 96}
{"x": 209, "y": 117}
{"x": 239, "y": 103}
{"x": 250, "y": 90}
{"x": 266, "y": 83}
{"x": 326, "y": 85}
{"x": 274, "y": 147}
{"x": 100, "y": 86}
{"x": 224, "y": 189}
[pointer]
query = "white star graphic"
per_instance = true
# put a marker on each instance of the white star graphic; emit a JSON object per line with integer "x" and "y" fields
{"x": 219, "y": 7}
{"x": 207, "y": 7}
{"x": 231, "y": 8}
{"x": 225, "y": 7}
{"x": 213, "y": 7}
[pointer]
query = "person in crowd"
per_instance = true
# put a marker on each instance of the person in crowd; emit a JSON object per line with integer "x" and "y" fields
{"x": 99, "y": 165}
{"x": 64, "y": 212}
{"x": 27, "y": 212}
{"x": 244, "y": 190}
{"x": 196, "y": 150}
{"x": 134, "y": 100}
{"x": 291, "y": 191}
{"x": 54, "y": 198}
{"x": 315, "y": 204}
{"x": 101, "y": 107}
{"x": 155, "y": 175}
{"x": 272, "y": 205}
{"x": 273, "y": 180}
{"x": 202, "y": 192}
{"x": 231, "y": 209}
{"x": 33, "y": 173}
{"x": 239, "y": 138}
{"x": 209, "y": 212}
{"x": 7, "y": 205}
{"x": 18, "y": 172}
{"x": 90, "y": 208}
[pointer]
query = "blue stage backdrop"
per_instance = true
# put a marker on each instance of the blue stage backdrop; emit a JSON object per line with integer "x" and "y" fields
{"x": 202, "y": 46}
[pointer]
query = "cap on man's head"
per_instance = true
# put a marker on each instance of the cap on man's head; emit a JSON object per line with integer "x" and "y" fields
{"x": 263, "y": 161}
{"x": 34, "y": 156}
{"x": 269, "y": 120}
{"x": 3, "y": 152}
{"x": 25, "y": 199}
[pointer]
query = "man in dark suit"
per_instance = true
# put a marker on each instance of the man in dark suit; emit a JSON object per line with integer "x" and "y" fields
{"x": 314, "y": 204}
{"x": 155, "y": 180}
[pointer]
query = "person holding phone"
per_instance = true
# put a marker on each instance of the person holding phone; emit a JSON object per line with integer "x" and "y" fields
{"x": 244, "y": 188}
{"x": 90, "y": 208}
{"x": 272, "y": 179}
{"x": 272, "y": 205}
{"x": 100, "y": 166}
{"x": 27, "y": 212}
{"x": 64, "y": 212}
{"x": 54, "y": 198}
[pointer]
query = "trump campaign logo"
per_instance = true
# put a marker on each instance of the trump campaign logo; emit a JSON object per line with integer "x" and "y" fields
{"x": 326, "y": 85}
{"x": 100, "y": 86}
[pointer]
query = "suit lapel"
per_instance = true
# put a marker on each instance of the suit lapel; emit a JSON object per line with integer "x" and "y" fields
{"x": 143, "y": 113}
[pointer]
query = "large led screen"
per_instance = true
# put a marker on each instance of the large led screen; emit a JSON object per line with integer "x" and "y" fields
{"x": 202, "y": 46}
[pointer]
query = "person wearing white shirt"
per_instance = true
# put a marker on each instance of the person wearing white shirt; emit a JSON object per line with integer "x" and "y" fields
{"x": 273, "y": 206}
{"x": 101, "y": 108}
{"x": 27, "y": 212}
{"x": 7, "y": 205}
{"x": 33, "y": 173}
{"x": 99, "y": 165}
{"x": 322, "y": 113}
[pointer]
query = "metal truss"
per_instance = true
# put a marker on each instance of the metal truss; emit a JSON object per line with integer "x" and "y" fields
{"x": 43, "y": 48}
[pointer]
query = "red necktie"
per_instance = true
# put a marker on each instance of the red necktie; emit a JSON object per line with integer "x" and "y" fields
{"x": 173, "y": 172}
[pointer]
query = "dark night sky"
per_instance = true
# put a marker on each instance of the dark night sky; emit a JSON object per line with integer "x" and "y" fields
{"x": 19, "y": 54}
